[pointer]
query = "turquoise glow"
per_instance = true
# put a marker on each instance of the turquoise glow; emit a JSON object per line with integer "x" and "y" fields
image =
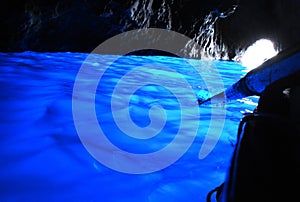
{"x": 42, "y": 158}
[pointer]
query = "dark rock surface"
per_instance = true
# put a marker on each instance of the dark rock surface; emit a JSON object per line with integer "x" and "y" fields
{"x": 81, "y": 25}
{"x": 277, "y": 20}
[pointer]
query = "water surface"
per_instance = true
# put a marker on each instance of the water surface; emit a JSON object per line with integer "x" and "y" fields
{"x": 43, "y": 159}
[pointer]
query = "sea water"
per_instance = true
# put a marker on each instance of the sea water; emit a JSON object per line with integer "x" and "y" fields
{"x": 44, "y": 156}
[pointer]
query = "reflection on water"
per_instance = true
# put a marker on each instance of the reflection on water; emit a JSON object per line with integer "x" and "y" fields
{"x": 42, "y": 156}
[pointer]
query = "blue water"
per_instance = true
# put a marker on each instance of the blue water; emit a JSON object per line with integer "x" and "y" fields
{"x": 43, "y": 157}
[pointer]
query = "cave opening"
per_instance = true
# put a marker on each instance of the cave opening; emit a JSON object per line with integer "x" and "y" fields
{"x": 257, "y": 53}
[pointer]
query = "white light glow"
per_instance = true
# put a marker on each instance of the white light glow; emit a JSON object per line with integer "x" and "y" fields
{"x": 258, "y": 53}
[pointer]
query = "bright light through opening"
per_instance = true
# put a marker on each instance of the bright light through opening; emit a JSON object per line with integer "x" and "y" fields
{"x": 258, "y": 53}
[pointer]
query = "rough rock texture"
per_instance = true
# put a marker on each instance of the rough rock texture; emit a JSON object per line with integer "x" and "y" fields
{"x": 276, "y": 20}
{"x": 81, "y": 25}
{"x": 68, "y": 25}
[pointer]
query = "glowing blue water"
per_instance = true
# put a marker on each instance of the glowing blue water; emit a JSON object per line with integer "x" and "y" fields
{"x": 43, "y": 159}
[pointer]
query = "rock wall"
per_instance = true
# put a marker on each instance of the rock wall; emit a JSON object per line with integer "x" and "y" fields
{"x": 277, "y": 20}
{"x": 81, "y": 25}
